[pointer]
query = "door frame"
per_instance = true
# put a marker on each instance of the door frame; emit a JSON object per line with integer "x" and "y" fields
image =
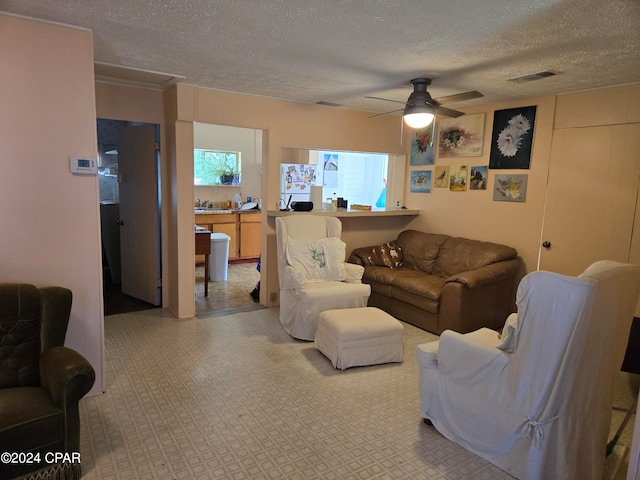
{"x": 158, "y": 177}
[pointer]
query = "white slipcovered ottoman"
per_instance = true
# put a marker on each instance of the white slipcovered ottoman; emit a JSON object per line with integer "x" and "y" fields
{"x": 352, "y": 337}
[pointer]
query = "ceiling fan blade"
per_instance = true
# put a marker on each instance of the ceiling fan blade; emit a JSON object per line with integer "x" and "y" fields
{"x": 420, "y": 97}
{"x": 385, "y": 99}
{"x": 447, "y": 112}
{"x": 459, "y": 97}
{"x": 386, "y": 113}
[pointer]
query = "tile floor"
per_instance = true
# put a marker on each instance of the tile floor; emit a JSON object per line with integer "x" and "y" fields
{"x": 234, "y": 397}
{"x": 231, "y": 295}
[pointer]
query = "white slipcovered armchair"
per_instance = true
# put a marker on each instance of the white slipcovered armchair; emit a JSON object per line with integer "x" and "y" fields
{"x": 537, "y": 401}
{"x": 312, "y": 272}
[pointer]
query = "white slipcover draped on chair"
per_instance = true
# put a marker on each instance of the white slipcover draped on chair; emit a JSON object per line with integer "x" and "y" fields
{"x": 303, "y": 298}
{"x": 542, "y": 410}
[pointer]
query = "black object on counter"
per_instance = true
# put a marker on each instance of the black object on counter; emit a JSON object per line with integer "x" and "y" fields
{"x": 302, "y": 206}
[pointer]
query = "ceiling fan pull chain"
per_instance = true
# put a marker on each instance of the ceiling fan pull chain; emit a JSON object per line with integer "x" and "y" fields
{"x": 433, "y": 133}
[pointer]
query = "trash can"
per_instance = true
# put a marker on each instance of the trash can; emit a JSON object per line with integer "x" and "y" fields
{"x": 219, "y": 257}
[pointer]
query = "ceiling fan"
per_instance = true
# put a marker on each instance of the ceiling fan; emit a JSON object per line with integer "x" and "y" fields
{"x": 420, "y": 109}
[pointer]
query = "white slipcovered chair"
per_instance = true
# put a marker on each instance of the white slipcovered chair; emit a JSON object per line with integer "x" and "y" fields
{"x": 312, "y": 272}
{"x": 537, "y": 401}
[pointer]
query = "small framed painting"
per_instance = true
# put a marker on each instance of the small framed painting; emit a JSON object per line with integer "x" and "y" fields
{"x": 458, "y": 178}
{"x": 510, "y": 188}
{"x": 420, "y": 181}
{"x": 441, "y": 177}
{"x": 478, "y": 178}
{"x": 422, "y": 146}
{"x": 461, "y": 137}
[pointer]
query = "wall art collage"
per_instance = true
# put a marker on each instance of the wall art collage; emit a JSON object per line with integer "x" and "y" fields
{"x": 463, "y": 138}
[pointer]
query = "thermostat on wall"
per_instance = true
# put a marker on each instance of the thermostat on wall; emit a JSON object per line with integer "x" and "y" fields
{"x": 84, "y": 166}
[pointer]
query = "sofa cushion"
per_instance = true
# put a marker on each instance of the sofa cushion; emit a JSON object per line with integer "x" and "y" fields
{"x": 29, "y": 418}
{"x": 380, "y": 288}
{"x": 383, "y": 274}
{"x": 401, "y": 297}
{"x": 420, "y": 249}
{"x": 459, "y": 254}
{"x": 416, "y": 283}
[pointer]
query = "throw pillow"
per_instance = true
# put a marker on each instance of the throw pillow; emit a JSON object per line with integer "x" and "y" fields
{"x": 386, "y": 255}
{"x": 321, "y": 260}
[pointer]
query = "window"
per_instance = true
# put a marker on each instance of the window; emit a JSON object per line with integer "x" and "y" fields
{"x": 358, "y": 177}
{"x": 216, "y": 167}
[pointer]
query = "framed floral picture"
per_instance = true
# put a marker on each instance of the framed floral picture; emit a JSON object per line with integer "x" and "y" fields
{"x": 420, "y": 181}
{"x": 461, "y": 137}
{"x": 422, "y": 146}
{"x": 510, "y": 188}
{"x": 458, "y": 178}
{"x": 512, "y": 138}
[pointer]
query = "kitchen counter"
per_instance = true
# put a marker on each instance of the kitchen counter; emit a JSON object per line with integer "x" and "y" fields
{"x": 222, "y": 211}
{"x": 242, "y": 226}
{"x": 347, "y": 212}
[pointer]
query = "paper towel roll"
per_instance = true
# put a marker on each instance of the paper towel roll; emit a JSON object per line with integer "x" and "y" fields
{"x": 316, "y": 197}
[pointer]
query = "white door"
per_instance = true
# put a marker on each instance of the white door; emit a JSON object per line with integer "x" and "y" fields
{"x": 591, "y": 197}
{"x": 139, "y": 215}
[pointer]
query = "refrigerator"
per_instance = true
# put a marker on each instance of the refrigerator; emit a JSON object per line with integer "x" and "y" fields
{"x": 296, "y": 181}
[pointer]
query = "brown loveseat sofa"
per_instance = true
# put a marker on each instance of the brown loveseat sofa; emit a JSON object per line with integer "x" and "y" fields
{"x": 438, "y": 282}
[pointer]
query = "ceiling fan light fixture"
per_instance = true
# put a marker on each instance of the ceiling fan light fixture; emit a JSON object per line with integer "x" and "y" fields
{"x": 420, "y": 109}
{"x": 419, "y": 116}
{"x": 418, "y": 120}
{"x": 419, "y": 112}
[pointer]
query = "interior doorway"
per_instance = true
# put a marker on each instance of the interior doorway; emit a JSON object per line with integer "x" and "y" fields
{"x": 234, "y": 293}
{"x": 130, "y": 203}
{"x": 229, "y": 296}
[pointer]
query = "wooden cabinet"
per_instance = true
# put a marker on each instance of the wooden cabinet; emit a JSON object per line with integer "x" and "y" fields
{"x": 227, "y": 224}
{"x": 250, "y": 229}
{"x": 243, "y": 230}
{"x": 221, "y": 223}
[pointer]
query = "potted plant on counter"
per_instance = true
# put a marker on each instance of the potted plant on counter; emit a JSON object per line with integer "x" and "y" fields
{"x": 217, "y": 168}
{"x": 228, "y": 166}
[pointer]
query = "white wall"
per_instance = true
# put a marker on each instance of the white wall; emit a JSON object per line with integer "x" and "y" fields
{"x": 50, "y": 217}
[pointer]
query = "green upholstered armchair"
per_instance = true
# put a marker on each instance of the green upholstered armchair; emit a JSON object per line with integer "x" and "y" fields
{"x": 41, "y": 381}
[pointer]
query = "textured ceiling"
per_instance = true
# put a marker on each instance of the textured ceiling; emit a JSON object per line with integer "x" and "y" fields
{"x": 338, "y": 51}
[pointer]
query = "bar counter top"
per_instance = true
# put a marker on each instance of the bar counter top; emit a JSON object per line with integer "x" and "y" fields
{"x": 348, "y": 212}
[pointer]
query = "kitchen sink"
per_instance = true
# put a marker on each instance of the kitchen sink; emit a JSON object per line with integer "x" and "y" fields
{"x": 205, "y": 210}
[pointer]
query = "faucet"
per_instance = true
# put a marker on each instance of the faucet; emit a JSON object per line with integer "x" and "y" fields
{"x": 199, "y": 205}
